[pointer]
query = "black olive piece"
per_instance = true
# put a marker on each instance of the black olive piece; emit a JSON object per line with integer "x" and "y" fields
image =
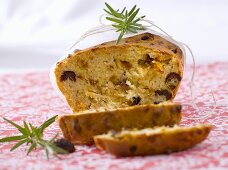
{"x": 174, "y": 50}
{"x": 171, "y": 76}
{"x": 64, "y": 144}
{"x": 68, "y": 75}
{"x": 136, "y": 100}
{"x": 157, "y": 102}
{"x": 133, "y": 149}
{"x": 165, "y": 93}
{"x": 145, "y": 37}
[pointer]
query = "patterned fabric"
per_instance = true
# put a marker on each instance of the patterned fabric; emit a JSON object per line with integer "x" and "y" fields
{"x": 30, "y": 96}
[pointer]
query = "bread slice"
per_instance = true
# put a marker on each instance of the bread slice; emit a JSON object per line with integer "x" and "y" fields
{"x": 152, "y": 141}
{"x": 142, "y": 69}
{"x": 80, "y": 128}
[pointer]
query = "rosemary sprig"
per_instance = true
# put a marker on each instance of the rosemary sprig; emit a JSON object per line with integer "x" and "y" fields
{"x": 124, "y": 21}
{"x": 33, "y": 136}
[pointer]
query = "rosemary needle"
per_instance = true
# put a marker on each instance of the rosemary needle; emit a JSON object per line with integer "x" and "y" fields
{"x": 124, "y": 21}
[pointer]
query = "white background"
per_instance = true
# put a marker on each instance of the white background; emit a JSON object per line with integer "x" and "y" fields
{"x": 35, "y": 33}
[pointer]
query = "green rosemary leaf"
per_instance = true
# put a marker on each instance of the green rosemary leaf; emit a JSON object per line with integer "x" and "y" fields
{"x": 132, "y": 10}
{"x": 33, "y": 131}
{"x": 132, "y": 30}
{"x": 124, "y": 21}
{"x": 120, "y": 37}
{"x": 134, "y": 27}
{"x": 21, "y": 129}
{"x": 109, "y": 7}
{"x": 27, "y": 128}
{"x": 126, "y": 16}
{"x": 47, "y": 153}
{"x": 118, "y": 30}
{"x": 18, "y": 144}
{"x": 136, "y": 24}
{"x": 114, "y": 20}
{"x": 138, "y": 19}
{"x": 37, "y": 133}
{"x": 117, "y": 26}
{"x": 132, "y": 16}
{"x": 12, "y": 138}
{"x": 135, "y": 21}
{"x": 142, "y": 28}
{"x": 29, "y": 141}
{"x": 123, "y": 10}
{"x": 33, "y": 146}
{"x": 31, "y": 126}
{"x": 108, "y": 12}
{"x": 116, "y": 14}
{"x": 46, "y": 124}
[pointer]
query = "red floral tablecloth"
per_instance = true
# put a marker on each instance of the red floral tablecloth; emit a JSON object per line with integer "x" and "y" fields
{"x": 30, "y": 96}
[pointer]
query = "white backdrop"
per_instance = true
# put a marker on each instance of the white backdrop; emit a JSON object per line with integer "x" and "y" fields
{"x": 35, "y": 33}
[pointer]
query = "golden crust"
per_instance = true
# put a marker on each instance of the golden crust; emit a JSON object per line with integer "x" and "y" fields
{"x": 152, "y": 141}
{"x": 80, "y": 128}
{"x": 82, "y": 92}
{"x": 149, "y": 40}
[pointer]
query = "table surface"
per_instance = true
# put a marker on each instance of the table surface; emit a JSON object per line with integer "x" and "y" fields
{"x": 31, "y": 96}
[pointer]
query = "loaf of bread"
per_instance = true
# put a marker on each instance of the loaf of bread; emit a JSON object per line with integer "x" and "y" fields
{"x": 152, "y": 141}
{"x": 80, "y": 128}
{"x": 142, "y": 69}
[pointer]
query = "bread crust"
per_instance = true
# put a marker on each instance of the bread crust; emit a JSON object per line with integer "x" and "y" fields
{"x": 150, "y": 40}
{"x": 80, "y": 128}
{"x": 152, "y": 141}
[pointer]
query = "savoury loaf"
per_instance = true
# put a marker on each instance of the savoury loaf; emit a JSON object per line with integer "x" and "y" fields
{"x": 80, "y": 128}
{"x": 142, "y": 69}
{"x": 152, "y": 141}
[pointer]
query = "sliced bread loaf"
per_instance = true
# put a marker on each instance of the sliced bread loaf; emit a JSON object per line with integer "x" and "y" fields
{"x": 158, "y": 140}
{"x": 80, "y": 128}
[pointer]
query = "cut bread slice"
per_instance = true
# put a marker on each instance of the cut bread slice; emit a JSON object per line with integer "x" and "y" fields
{"x": 142, "y": 69}
{"x": 80, "y": 128}
{"x": 152, "y": 141}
